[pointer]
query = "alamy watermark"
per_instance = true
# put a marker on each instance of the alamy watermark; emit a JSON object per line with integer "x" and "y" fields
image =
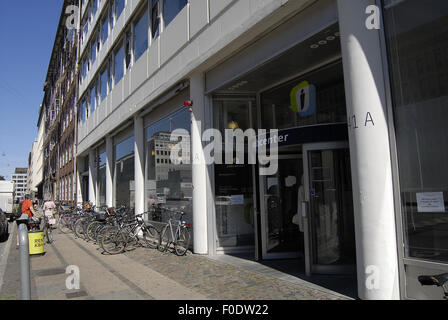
{"x": 73, "y": 281}
{"x": 373, "y": 21}
{"x": 261, "y": 146}
{"x": 373, "y": 277}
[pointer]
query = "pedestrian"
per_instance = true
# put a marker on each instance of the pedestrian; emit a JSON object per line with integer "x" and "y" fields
{"x": 27, "y": 207}
{"x": 48, "y": 208}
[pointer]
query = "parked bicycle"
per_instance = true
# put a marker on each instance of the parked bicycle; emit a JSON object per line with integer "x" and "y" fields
{"x": 47, "y": 229}
{"x": 176, "y": 233}
{"x": 130, "y": 232}
{"x": 440, "y": 280}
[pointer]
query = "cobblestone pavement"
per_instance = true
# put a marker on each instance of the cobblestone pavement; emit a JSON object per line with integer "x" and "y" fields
{"x": 218, "y": 280}
{"x": 145, "y": 274}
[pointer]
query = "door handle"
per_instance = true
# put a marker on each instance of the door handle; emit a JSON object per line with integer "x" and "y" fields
{"x": 304, "y": 209}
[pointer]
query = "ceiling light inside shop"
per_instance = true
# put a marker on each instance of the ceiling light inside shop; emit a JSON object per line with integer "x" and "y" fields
{"x": 239, "y": 84}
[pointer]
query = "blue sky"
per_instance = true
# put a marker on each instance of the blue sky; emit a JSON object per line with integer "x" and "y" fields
{"x": 27, "y": 32}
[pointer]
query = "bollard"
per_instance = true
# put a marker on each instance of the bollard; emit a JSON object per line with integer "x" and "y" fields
{"x": 24, "y": 259}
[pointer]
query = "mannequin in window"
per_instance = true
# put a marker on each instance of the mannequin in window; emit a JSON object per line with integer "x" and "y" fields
{"x": 298, "y": 217}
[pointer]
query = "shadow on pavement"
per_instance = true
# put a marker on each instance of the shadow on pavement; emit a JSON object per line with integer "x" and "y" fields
{"x": 342, "y": 284}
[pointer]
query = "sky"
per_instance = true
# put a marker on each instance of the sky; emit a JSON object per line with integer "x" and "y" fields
{"x": 27, "y": 33}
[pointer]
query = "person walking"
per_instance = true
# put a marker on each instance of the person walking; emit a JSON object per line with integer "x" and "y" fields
{"x": 27, "y": 207}
{"x": 48, "y": 208}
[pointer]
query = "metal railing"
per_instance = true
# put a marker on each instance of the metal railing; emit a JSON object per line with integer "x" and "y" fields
{"x": 24, "y": 258}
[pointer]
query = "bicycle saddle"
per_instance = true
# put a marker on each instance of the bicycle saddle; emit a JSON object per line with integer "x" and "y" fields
{"x": 436, "y": 280}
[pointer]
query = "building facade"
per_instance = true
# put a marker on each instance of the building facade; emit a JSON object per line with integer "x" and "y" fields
{"x": 359, "y": 101}
{"x": 20, "y": 179}
{"x": 58, "y": 114}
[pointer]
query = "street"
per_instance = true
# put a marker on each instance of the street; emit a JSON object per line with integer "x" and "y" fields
{"x": 142, "y": 274}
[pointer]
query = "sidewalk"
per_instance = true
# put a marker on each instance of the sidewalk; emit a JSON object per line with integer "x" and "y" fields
{"x": 146, "y": 274}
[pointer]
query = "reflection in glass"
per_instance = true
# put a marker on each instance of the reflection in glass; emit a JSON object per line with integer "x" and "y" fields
{"x": 417, "y": 38}
{"x": 332, "y": 224}
{"x": 169, "y": 184}
{"x": 102, "y": 179}
{"x": 124, "y": 174}
{"x": 282, "y": 200}
{"x": 277, "y": 112}
{"x": 171, "y": 8}
{"x": 119, "y": 65}
{"x": 234, "y": 203}
{"x": 141, "y": 35}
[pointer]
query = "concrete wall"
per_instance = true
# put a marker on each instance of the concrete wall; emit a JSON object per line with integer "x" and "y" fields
{"x": 201, "y": 36}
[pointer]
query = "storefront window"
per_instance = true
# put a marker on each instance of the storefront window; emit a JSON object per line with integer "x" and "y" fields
{"x": 124, "y": 174}
{"x": 168, "y": 184}
{"x": 417, "y": 36}
{"x": 234, "y": 203}
{"x": 316, "y": 98}
{"x": 102, "y": 179}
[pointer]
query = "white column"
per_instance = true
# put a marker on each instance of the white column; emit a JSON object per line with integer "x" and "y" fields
{"x": 199, "y": 167}
{"x": 376, "y": 241}
{"x": 92, "y": 177}
{"x": 139, "y": 165}
{"x": 109, "y": 171}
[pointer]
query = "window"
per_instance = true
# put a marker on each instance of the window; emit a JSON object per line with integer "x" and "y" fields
{"x": 94, "y": 7}
{"x": 103, "y": 81}
{"x": 171, "y": 8}
{"x": 128, "y": 49}
{"x": 84, "y": 111}
{"x": 92, "y": 100}
{"x": 418, "y": 50}
{"x": 159, "y": 172}
{"x": 118, "y": 65}
{"x": 105, "y": 29}
{"x": 102, "y": 178}
{"x": 124, "y": 173}
{"x": 93, "y": 52}
{"x": 111, "y": 16}
{"x": 141, "y": 35}
{"x": 84, "y": 69}
{"x": 109, "y": 75}
{"x": 155, "y": 19}
{"x": 85, "y": 30}
{"x": 119, "y": 7}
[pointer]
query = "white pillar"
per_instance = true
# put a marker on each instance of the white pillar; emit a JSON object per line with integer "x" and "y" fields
{"x": 109, "y": 171}
{"x": 139, "y": 165}
{"x": 376, "y": 241}
{"x": 92, "y": 177}
{"x": 200, "y": 245}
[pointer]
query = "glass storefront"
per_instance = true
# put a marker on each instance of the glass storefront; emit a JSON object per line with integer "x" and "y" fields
{"x": 234, "y": 203}
{"x": 328, "y": 105}
{"x": 124, "y": 174}
{"x": 169, "y": 184}
{"x": 101, "y": 179}
{"x": 417, "y": 38}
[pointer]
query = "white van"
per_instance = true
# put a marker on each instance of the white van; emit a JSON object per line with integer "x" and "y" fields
{"x": 7, "y": 190}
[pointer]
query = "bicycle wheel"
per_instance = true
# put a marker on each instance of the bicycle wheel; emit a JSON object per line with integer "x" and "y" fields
{"x": 182, "y": 241}
{"x": 150, "y": 236}
{"x": 78, "y": 229}
{"x": 164, "y": 239}
{"x": 48, "y": 233}
{"x": 113, "y": 241}
{"x": 64, "y": 224}
{"x": 100, "y": 231}
{"x": 91, "y": 230}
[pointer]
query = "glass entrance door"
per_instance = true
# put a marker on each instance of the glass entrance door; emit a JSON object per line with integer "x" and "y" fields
{"x": 281, "y": 237}
{"x": 330, "y": 239}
